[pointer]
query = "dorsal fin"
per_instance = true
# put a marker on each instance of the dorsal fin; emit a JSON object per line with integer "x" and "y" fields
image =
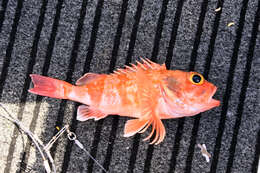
{"x": 146, "y": 64}
{"x": 88, "y": 77}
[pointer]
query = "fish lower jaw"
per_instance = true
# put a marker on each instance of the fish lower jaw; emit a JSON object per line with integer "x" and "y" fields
{"x": 214, "y": 103}
{"x": 211, "y": 100}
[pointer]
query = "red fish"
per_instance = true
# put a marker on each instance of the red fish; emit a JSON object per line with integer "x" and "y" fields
{"x": 148, "y": 92}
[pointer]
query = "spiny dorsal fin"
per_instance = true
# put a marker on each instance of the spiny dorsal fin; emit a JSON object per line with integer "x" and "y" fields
{"x": 152, "y": 65}
{"x": 146, "y": 64}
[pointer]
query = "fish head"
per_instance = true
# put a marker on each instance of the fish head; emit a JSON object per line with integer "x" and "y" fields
{"x": 190, "y": 92}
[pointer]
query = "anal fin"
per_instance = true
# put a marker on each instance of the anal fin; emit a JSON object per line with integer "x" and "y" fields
{"x": 86, "y": 112}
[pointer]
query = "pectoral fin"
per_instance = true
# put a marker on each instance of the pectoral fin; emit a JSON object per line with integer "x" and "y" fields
{"x": 141, "y": 125}
{"x": 158, "y": 128}
{"x": 134, "y": 126}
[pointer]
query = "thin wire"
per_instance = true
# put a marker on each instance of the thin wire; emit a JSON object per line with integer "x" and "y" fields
{"x": 16, "y": 121}
{"x": 54, "y": 138}
{"x": 35, "y": 140}
{"x": 38, "y": 143}
{"x": 72, "y": 137}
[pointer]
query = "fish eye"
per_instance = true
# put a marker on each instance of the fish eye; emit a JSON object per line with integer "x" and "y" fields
{"x": 196, "y": 79}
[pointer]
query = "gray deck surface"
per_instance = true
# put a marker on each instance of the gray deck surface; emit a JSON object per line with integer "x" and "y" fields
{"x": 66, "y": 38}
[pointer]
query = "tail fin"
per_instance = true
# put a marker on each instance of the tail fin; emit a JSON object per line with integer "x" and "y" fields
{"x": 46, "y": 86}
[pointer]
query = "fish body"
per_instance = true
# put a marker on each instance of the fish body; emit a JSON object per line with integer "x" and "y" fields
{"x": 147, "y": 92}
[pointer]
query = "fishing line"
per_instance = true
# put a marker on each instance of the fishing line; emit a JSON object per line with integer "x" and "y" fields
{"x": 45, "y": 149}
{"x": 38, "y": 143}
{"x": 72, "y": 137}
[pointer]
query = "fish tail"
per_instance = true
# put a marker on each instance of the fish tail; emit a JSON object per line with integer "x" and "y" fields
{"x": 46, "y": 86}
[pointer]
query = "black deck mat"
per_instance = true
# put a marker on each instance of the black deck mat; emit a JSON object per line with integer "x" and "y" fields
{"x": 65, "y": 39}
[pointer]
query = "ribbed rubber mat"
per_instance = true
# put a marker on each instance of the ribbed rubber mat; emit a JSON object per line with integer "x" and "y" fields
{"x": 65, "y": 39}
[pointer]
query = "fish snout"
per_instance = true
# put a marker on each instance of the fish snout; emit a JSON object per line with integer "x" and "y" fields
{"x": 213, "y": 102}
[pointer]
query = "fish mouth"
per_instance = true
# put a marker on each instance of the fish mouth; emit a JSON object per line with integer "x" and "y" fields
{"x": 211, "y": 101}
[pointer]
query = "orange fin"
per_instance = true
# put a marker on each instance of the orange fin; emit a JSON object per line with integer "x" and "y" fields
{"x": 46, "y": 86}
{"x": 87, "y": 78}
{"x": 86, "y": 112}
{"x": 144, "y": 64}
{"x": 148, "y": 64}
{"x": 141, "y": 125}
{"x": 159, "y": 130}
{"x": 149, "y": 113}
{"x": 134, "y": 126}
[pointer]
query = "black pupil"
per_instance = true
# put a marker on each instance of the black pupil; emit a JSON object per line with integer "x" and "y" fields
{"x": 196, "y": 78}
